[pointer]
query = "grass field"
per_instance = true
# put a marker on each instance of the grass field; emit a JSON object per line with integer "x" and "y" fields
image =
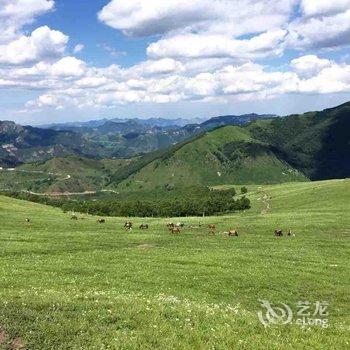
{"x": 78, "y": 285}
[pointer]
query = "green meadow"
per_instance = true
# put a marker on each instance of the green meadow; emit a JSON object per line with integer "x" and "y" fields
{"x": 69, "y": 284}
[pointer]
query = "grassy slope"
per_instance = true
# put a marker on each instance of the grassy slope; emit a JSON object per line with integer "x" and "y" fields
{"x": 203, "y": 162}
{"x": 85, "y": 174}
{"x": 316, "y": 143}
{"x": 81, "y": 285}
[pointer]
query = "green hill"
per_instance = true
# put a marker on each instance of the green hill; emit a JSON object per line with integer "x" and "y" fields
{"x": 316, "y": 143}
{"x": 69, "y": 284}
{"x": 225, "y": 155}
{"x": 314, "y": 146}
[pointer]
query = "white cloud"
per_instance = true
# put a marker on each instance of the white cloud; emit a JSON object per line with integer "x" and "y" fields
{"x": 313, "y": 8}
{"x": 333, "y": 79}
{"x": 201, "y": 46}
{"x": 206, "y": 28}
{"x": 145, "y": 18}
{"x": 71, "y": 83}
{"x": 320, "y": 32}
{"x": 78, "y": 48}
{"x": 43, "y": 43}
{"x": 152, "y": 67}
{"x": 310, "y": 65}
{"x": 14, "y": 14}
{"x": 68, "y": 67}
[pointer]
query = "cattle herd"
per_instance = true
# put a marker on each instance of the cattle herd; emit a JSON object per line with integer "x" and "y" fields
{"x": 176, "y": 228}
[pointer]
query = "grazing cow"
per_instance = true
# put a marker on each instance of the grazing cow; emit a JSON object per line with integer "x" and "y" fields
{"x": 101, "y": 221}
{"x": 128, "y": 225}
{"x": 144, "y": 227}
{"x": 233, "y": 232}
{"x": 212, "y": 228}
{"x": 278, "y": 233}
{"x": 28, "y": 220}
{"x": 175, "y": 230}
{"x": 74, "y": 217}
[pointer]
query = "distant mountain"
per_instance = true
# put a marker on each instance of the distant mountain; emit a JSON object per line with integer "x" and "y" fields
{"x": 127, "y": 138}
{"x": 234, "y": 120}
{"x": 23, "y": 144}
{"x": 261, "y": 149}
{"x": 313, "y": 145}
{"x": 150, "y": 122}
{"x": 224, "y": 120}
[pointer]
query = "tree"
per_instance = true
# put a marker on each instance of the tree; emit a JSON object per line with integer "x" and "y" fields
{"x": 244, "y": 190}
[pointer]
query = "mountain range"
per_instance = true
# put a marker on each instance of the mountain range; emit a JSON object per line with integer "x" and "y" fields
{"x": 114, "y": 138}
{"x": 310, "y": 146}
{"x": 223, "y": 150}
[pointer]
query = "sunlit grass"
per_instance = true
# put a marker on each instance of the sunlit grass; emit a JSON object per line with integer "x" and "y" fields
{"x": 79, "y": 285}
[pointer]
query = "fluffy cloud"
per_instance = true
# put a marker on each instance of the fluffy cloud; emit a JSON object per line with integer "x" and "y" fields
{"x": 204, "y": 50}
{"x": 151, "y": 67}
{"x": 310, "y": 65}
{"x": 145, "y": 18}
{"x": 81, "y": 86}
{"x": 206, "y": 28}
{"x": 14, "y": 14}
{"x": 200, "y": 46}
{"x": 43, "y": 43}
{"x": 320, "y": 32}
{"x": 311, "y": 8}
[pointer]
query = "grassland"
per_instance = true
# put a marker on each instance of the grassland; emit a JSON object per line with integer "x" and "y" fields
{"x": 78, "y": 285}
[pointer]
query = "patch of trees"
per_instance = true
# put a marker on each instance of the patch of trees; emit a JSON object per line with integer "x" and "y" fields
{"x": 192, "y": 202}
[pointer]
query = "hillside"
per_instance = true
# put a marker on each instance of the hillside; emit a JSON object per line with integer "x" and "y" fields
{"x": 76, "y": 284}
{"x": 68, "y": 174}
{"x": 316, "y": 143}
{"x": 225, "y": 155}
{"x": 313, "y": 145}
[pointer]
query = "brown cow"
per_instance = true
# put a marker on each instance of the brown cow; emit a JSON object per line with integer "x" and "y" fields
{"x": 175, "y": 230}
{"x": 101, "y": 221}
{"x": 233, "y": 232}
{"x": 144, "y": 227}
{"x": 74, "y": 217}
{"x": 212, "y": 228}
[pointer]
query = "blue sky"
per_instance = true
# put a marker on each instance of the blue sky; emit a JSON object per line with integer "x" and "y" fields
{"x": 78, "y": 19}
{"x": 69, "y": 60}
